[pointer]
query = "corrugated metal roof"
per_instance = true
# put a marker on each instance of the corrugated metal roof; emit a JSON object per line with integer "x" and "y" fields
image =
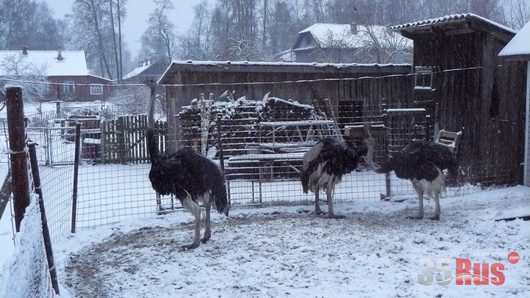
{"x": 448, "y": 19}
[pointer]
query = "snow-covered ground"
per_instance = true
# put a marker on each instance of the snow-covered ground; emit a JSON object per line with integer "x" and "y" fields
{"x": 286, "y": 251}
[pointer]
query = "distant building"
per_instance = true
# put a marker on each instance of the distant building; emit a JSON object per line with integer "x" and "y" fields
{"x": 65, "y": 72}
{"x": 146, "y": 70}
{"x": 348, "y": 43}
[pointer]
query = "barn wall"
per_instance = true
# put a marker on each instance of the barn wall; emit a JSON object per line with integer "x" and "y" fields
{"x": 304, "y": 92}
{"x": 492, "y": 141}
{"x": 448, "y": 52}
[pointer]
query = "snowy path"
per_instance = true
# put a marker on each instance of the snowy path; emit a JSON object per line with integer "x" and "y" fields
{"x": 283, "y": 251}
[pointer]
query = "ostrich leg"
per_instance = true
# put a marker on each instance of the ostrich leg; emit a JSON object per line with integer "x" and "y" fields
{"x": 207, "y": 230}
{"x": 329, "y": 195}
{"x": 437, "y": 211}
{"x": 317, "y": 204}
{"x": 195, "y": 209}
{"x": 419, "y": 190}
{"x": 330, "y": 190}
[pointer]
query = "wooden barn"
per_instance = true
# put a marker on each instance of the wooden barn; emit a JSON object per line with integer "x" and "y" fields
{"x": 518, "y": 49}
{"x": 460, "y": 79}
{"x": 362, "y": 88}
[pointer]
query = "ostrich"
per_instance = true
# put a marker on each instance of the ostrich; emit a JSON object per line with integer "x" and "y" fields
{"x": 423, "y": 163}
{"x": 325, "y": 164}
{"x": 188, "y": 176}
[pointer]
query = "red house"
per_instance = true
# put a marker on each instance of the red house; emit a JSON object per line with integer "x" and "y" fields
{"x": 54, "y": 75}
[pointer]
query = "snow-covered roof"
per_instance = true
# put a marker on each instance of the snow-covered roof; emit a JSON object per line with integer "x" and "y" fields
{"x": 519, "y": 45}
{"x": 259, "y": 66}
{"x": 449, "y": 19}
{"x": 45, "y": 63}
{"x": 149, "y": 69}
{"x": 136, "y": 71}
{"x": 342, "y": 35}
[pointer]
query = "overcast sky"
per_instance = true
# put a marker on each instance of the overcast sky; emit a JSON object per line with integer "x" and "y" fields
{"x": 137, "y": 13}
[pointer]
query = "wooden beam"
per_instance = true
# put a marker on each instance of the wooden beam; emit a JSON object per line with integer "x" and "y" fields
{"x": 17, "y": 147}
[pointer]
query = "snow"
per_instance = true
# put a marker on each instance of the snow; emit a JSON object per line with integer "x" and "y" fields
{"x": 330, "y": 35}
{"x": 296, "y": 123}
{"x": 28, "y": 264}
{"x": 406, "y": 110}
{"x": 519, "y": 45}
{"x": 73, "y": 64}
{"x": 137, "y": 70}
{"x": 450, "y": 18}
{"x": 284, "y": 251}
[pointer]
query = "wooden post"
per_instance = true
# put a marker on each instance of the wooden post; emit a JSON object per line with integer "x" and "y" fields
{"x": 220, "y": 145}
{"x": 44, "y": 221}
{"x": 76, "y": 175}
{"x": 17, "y": 147}
{"x": 172, "y": 145}
{"x": 120, "y": 138}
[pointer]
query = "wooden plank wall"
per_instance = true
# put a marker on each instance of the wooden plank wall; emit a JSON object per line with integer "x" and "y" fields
{"x": 492, "y": 145}
{"x": 123, "y": 139}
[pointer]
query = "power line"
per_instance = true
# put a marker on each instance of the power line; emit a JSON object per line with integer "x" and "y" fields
{"x": 241, "y": 83}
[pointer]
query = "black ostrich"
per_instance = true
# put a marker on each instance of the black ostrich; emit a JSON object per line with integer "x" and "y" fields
{"x": 188, "y": 176}
{"x": 325, "y": 164}
{"x": 423, "y": 163}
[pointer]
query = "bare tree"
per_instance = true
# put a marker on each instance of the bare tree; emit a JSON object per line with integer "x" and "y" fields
{"x": 32, "y": 77}
{"x": 158, "y": 40}
{"x": 196, "y": 43}
{"x": 517, "y": 12}
{"x": 28, "y": 23}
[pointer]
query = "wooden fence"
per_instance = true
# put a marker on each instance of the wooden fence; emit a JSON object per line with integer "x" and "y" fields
{"x": 123, "y": 140}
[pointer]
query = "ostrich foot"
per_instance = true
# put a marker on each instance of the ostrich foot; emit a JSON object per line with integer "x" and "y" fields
{"x": 318, "y": 211}
{"x": 206, "y": 237}
{"x": 419, "y": 216}
{"x": 335, "y": 216}
{"x": 190, "y": 246}
{"x": 436, "y": 216}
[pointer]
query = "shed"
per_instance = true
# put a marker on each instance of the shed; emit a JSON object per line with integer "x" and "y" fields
{"x": 469, "y": 89}
{"x": 518, "y": 49}
{"x": 304, "y": 82}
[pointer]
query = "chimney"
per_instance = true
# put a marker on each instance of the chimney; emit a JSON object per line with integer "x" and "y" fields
{"x": 353, "y": 27}
{"x": 24, "y": 50}
{"x": 59, "y": 55}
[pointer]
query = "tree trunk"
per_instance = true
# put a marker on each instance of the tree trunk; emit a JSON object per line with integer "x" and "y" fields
{"x": 114, "y": 43}
{"x": 120, "y": 65}
{"x": 100, "y": 39}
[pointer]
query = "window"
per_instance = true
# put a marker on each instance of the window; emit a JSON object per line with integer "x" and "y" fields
{"x": 68, "y": 87}
{"x": 423, "y": 77}
{"x": 96, "y": 89}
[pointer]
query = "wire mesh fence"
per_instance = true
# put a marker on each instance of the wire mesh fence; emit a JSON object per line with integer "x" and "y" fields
{"x": 259, "y": 142}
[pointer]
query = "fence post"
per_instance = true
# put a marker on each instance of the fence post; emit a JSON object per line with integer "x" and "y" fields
{"x": 44, "y": 221}
{"x": 76, "y": 174}
{"x": 220, "y": 145}
{"x": 120, "y": 138}
{"x": 17, "y": 146}
{"x": 384, "y": 107}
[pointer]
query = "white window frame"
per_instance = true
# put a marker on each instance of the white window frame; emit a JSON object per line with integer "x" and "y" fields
{"x": 69, "y": 87}
{"x": 94, "y": 87}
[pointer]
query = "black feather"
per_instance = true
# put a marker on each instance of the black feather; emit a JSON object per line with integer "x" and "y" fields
{"x": 186, "y": 172}
{"x": 420, "y": 160}
{"x": 339, "y": 159}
